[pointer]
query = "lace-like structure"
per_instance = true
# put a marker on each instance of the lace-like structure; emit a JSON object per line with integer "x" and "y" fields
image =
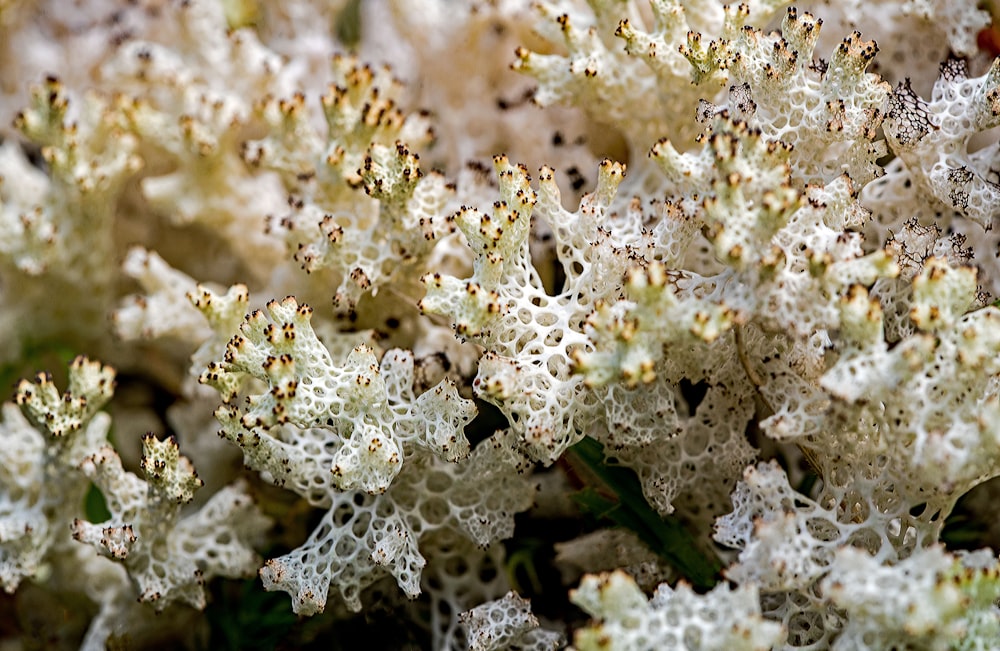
{"x": 781, "y": 320}
{"x": 351, "y": 437}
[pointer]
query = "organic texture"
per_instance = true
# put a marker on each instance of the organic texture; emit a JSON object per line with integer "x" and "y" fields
{"x": 722, "y": 315}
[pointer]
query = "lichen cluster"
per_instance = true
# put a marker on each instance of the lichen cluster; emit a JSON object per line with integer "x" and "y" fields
{"x": 676, "y": 317}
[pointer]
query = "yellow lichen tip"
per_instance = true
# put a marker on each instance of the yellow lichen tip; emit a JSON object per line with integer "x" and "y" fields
{"x": 942, "y": 294}
{"x": 165, "y": 468}
{"x": 91, "y": 385}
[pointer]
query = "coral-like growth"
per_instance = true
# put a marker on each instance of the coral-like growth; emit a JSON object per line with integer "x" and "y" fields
{"x": 776, "y": 334}
{"x": 948, "y": 444}
{"x": 645, "y": 88}
{"x": 169, "y": 557}
{"x": 91, "y": 385}
{"x": 351, "y": 420}
{"x": 189, "y": 98}
{"x": 782, "y": 243}
{"x": 932, "y": 599}
{"x": 505, "y": 623}
{"x": 675, "y": 618}
{"x": 57, "y": 228}
{"x": 529, "y": 336}
{"x": 40, "y": 489}
{"x": 370, "y": 241}
{"x": 165, "y": 293}
{"x": 776, "y": 84}
{"x": 932, "y": 139}
{"x": 629, "y": 336}
{"x": 362, "y": 537}
{"x": 353, "y": 438}
{"x": 40, "y": 484}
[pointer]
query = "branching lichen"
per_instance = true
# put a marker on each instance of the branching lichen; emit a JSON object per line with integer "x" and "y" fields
{"x": 767, "y": 352}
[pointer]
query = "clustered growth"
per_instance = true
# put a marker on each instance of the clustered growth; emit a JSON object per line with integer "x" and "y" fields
{"x": 723, "y": 374}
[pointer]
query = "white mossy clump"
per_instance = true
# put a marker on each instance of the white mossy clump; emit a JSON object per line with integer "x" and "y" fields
{"x": 932, "y": 139}
{"x": 359, "y": 416}
{"x": 778, "y": 330}
{"x": 507, "y": 623}
{"x": 934, "y": 599}
{"x": 675, "y": 618}
{"x": 42, "y": 484}
{"x": 169, "y": 557}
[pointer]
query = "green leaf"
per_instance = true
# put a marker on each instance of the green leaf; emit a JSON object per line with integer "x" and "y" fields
{"x": 522, "y": 563}
{"x": 95, "y": 509}
{"x": 618, "y": 497}
{"x": 247, "y": 617}
{"x": 348, "y": 24}
{"x": 34, "y": 356}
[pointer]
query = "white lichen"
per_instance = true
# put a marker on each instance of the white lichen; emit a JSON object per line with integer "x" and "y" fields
{"x": 777, "y": 327}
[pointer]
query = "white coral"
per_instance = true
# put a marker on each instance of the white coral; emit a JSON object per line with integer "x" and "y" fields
{"x": 351, "y": 420}
{"x": 167, "y": 557}
{"x": 765, "y": 278}
{"x": 506, "y": 623}
{"x": 675, "y": 618}
{"x": 362, "y": 537}
{"x": 932, "y": 138}
{"x": 932, "y": 599}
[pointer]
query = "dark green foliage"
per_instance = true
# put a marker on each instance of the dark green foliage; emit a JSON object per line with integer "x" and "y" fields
{"x": 617, "y": 497}
{"x": 95, "y": 509}
{"x": 348, "y": 24}
{"x": 244, "y": 616}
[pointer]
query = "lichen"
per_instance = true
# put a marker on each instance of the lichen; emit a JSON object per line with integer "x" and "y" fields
{"x": 749, "y": 290}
